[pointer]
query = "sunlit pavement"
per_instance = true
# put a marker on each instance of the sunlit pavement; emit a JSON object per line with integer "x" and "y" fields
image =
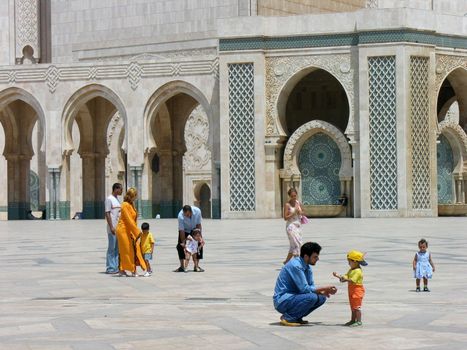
{"x": 54, "y": 294}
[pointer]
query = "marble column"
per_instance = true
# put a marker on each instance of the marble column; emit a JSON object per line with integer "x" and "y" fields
{"x": 53, "y": 210}
{"x": 136, "y": 175}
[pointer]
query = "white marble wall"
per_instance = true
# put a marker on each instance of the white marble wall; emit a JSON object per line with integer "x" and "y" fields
{"x": 456, "y": 7}
{"x": 6, "y": 19}
{"x": 96, "y": 29}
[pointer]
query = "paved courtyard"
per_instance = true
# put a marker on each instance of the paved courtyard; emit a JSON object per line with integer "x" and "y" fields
{"x": 54, "y": 294}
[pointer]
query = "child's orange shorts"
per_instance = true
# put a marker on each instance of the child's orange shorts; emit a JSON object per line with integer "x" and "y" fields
{"x": 356, "y": 294}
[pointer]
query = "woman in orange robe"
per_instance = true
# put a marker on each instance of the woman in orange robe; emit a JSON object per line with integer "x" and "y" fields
{"x": 127, "y": 235}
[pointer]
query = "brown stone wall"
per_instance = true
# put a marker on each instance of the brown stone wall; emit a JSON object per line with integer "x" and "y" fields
{"x": 298, "y": 7}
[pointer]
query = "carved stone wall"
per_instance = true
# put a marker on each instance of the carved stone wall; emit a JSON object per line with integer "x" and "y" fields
{"x": 133, "y": 72}
{"x": 27, "y": 14}
{"x": 279, "y": 70}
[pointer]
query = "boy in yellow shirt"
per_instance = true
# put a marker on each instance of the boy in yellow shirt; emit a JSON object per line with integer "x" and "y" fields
{"x": 147, "y": 244}
{"x": 354, "y": 278}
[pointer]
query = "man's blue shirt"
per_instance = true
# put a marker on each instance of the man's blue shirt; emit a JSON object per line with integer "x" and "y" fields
{"x": 296, "y": 277}
{"x": 188, "y": 224}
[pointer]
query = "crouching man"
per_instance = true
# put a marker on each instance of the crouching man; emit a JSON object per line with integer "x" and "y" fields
{"x": 295, "y": 294}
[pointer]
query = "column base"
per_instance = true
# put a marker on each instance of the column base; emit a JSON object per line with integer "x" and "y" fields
{"x": 18, "y": 210}
{"x": 216, "y": 209}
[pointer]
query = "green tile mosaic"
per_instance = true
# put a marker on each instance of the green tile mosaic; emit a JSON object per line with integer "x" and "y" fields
{"x": 64, "y": 209}
{"x": 146, "y": 209}
{"x": 346, "y": 39}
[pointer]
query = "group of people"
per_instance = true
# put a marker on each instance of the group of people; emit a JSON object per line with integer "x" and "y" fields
{"x": 130, "y": 246}
{"x": 295, "y": 293}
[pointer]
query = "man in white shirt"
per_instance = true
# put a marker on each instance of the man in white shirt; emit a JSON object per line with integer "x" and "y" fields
{"x": 112, "y": 214}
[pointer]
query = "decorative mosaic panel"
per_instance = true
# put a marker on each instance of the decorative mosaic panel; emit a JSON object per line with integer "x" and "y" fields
{"x": 420, "y": 138}
{"x": 34, "y": 190}
{"x": 445, "y": 168}
{"x": 383, "y": 132}
{"x": 242, "y": 137}
{"x": 319, "y": 162}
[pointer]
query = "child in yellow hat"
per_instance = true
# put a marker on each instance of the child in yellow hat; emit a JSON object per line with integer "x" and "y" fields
{"x": 354, "y": 278}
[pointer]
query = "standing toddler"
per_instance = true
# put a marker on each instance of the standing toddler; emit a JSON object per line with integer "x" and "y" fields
{"x": 354, "y": 278}
{"x": 147, "y": 245}
{"x": 423, "y": 266}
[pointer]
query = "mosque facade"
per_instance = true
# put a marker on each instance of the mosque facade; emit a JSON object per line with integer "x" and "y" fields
{"x": 226, "y": 104}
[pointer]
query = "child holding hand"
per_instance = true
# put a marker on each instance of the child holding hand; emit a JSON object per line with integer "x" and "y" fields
{"x": 354, "y": 278}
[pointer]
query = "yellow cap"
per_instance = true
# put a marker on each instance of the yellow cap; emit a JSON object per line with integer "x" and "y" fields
{"x": 357, "y": 256}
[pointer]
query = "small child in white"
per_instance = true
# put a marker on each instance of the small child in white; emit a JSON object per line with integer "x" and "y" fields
{"x": 423, "y": 266}
{"x": 192, "y": 245}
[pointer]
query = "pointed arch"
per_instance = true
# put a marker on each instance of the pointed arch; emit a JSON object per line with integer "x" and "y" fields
{"x": 77, "y": 100}
{"x": 458, "y": 140}
{"x": 288, "y": 87}
{"x": 12, "y": 94}
{"x": 160, "y": 96}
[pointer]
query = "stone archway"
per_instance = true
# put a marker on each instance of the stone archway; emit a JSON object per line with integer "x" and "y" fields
{"x": 202, "y": 198}
{"x": 166, "y": 115}
{"x": 284, "y": 73}
{"x": 452, "y": 156}
{"x": 451, "y": 84}
{"x": 20, "y": 112}
{"x": 90, "y": 111}
{"x": 314, "y": 94}
{"x": 291, "y": 173}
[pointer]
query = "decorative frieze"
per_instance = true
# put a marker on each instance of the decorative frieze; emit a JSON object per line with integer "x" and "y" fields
{"x": 279, "y": 70}
{"x": 133, "y": 72}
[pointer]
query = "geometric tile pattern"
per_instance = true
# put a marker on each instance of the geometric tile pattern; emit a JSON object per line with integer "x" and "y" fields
{"x": 319, "y": 162}
{"x": 344, "y": 39}
{"x": 420, "y": 139}
{"x": 242, "y": 137}
{"x": 383, "y": 132}
{"x": 445, "y": 167}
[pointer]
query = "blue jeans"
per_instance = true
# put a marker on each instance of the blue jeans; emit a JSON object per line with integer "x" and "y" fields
{"x": 112, "y": 254}
{"x": 300, "y": 305}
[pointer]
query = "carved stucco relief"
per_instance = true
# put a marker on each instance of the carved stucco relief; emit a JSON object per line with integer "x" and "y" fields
{"x": 115, "y": 126}
{"x": 27, "y": 27}
{"x": 198, "y": 155}
{"x": 280, "y": 69}
{"x": 456, "y": 130}
{"x": 445, "y": 64}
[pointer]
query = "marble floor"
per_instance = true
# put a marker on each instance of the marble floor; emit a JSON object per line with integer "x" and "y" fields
{"x": 54, "y": 294}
